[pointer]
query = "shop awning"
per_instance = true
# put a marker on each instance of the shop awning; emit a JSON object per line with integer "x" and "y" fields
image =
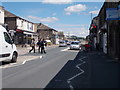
{"x": 27, "y": 33}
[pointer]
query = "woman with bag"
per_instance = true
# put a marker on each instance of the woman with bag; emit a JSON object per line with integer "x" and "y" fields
{"x": 32, "y": 45}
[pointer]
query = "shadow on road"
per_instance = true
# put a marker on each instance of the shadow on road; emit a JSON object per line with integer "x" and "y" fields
{"x": 70, "y": 71}
{"x": 4, "y": 63}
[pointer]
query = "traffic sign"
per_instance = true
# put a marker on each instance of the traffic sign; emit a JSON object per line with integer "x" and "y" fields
{"x": 112, "y": 14}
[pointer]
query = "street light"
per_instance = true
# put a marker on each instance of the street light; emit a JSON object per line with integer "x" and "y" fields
{"x": 91, "y": 16}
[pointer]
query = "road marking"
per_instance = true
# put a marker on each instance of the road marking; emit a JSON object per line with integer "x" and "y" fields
{"x": 70, "y": 85}
{"x": 24, "y": 62}
{"x": 41, "y": 57}
{"x": 16, "y": 64}
{"x": 65, "y": 49}
{"x": 81, "y": 72}
{"x": 68, "y": 49}
{"x": 29, "y": 60}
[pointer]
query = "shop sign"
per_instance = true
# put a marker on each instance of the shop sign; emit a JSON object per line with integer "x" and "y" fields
{"x": 119, "y": 11}
{"x": 112, "y": 14}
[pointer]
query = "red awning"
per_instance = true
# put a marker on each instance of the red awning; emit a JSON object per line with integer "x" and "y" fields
{"x": 18, "y": 30}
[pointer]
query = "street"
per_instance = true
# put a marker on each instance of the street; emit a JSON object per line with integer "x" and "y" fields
{"x": 41, "y": 71}
{"x": 63, "y": 68}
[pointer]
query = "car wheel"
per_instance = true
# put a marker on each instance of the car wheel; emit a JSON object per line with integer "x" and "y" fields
{"x": 14, "y": 58}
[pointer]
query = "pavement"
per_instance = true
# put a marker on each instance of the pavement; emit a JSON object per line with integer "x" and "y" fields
{"x": 24, "y": 51}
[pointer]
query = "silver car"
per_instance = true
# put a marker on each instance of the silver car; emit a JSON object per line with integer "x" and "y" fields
{"x": 62, "y": 44}
{"x": 75, "y": 45}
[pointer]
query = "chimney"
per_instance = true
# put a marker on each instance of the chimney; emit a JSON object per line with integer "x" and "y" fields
{"x": 1, "y": 8}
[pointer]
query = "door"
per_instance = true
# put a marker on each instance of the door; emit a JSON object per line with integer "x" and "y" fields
{"x": 105, "y": 43}
{"x": 7, "y": 45}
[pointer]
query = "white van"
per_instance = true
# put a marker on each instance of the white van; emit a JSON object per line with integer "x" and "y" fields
{"x": 8, "y": 51}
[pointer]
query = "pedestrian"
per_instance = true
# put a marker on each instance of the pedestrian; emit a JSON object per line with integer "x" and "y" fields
{"x": 39, "y": 45}
{"x": 43, "y": 44}
{"x": 97, "y": 46}
{"x": 87, "y": 47}
{"x": 32, "y": 45}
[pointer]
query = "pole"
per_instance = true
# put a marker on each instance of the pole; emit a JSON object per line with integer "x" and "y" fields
{"x": 91, "y": 16}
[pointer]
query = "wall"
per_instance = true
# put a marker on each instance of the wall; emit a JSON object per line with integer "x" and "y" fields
{"x": 11, "y": 22}
{"x": 113, "y": 32}
{"x": 25, "y": 25}
{"x": 1, "y": 15}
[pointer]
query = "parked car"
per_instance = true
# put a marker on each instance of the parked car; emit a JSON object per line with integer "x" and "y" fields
{"x": 75, "y": 45}
{"x": 48, "y": 42}
{"x": 62, "y": 44}
{"x": 67, "y": 42}
{"x": 8, "y": 51}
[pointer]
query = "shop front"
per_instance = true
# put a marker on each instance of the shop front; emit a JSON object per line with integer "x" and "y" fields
{"x": 22, "y": 37}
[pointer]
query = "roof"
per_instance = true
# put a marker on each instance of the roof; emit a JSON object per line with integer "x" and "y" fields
{"x": 9, "y": 14}
{"x": 42, "y": 26}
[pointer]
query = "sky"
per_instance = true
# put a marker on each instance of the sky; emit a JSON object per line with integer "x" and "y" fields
{"x": 72, "y": 18}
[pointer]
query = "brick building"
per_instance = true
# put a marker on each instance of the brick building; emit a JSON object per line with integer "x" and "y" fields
{"x": 23, "y": 29}
{"x": 47, "y": 33}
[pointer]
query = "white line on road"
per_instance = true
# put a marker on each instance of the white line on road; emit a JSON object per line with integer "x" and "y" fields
{"x": 29, "y": 60}
{"x": 65, "y": 49}
{"x": 24, "y": 62}
{"x": 81, "y": 72}
{"x": 41, "y": 57}
{"x": 68, "y": 49}
{"x": 16, "y": 64}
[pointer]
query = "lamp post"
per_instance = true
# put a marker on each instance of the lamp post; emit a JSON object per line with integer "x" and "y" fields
{"x": 91, "y": 16}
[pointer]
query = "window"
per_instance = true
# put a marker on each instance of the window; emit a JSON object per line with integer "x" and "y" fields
{"x": 7, "y": 38}
{"x": 21, "y": 23}
{"x": 76, "y": 43}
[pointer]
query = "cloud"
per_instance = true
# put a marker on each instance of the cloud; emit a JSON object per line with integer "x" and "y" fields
{"x": 78, "y": 31}
{"x": 83, "y": 13}
{"x": 94, "y": 12}
{"x": 73, "y": 25}
{"x": 54, "y": 14}
{"x": 75, "y": 8}
{"x": 57, "y": 1}
{"x": 68, "y": 13}
{"x": 39, "y": 19}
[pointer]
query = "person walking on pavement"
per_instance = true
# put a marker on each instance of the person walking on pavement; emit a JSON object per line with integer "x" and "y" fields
{"x": 87, "y": 47}
{"x": 43, "y": 44}
{"x": 97, "y": 46}
{"x": 32, "y": 45}
{"x": 39, "y": 45}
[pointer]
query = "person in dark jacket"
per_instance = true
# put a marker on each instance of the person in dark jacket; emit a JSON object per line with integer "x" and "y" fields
{"x": 39, "y": 45}
{"x": 43, "y": 44}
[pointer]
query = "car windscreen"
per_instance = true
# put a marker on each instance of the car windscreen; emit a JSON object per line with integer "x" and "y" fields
{"x": 75, "y": 43}
{"x": 61, "y": 42}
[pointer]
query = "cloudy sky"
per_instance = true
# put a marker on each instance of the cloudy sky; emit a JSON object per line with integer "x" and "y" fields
{"x": 67, "y": 16}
